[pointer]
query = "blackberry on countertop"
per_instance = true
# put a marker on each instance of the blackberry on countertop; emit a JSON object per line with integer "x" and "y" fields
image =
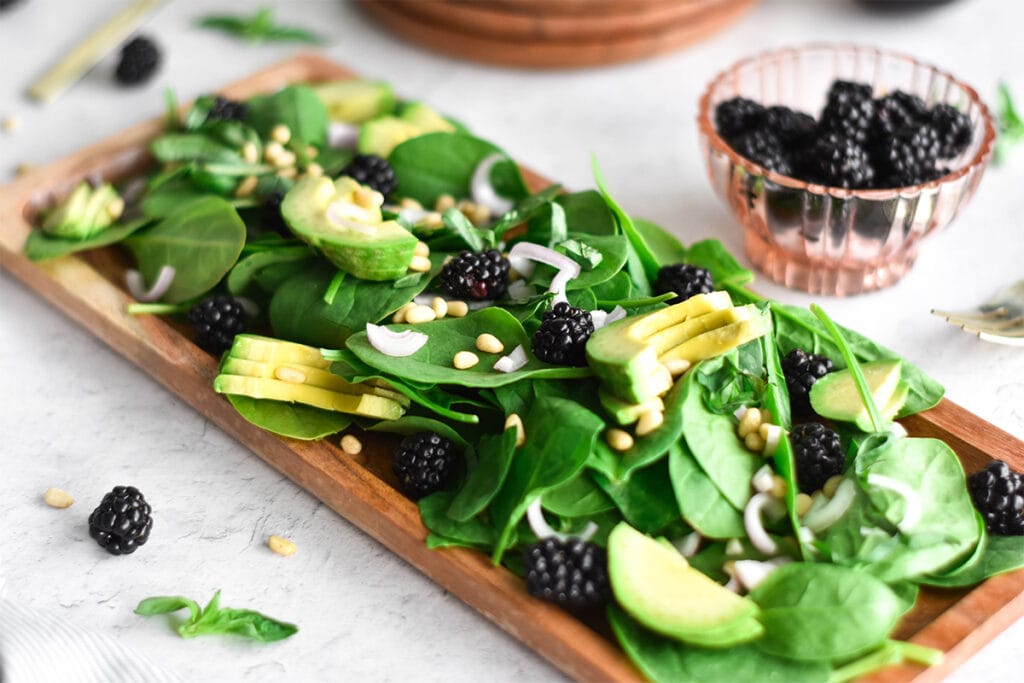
{"x": 139, "y": 60}
{"x": 907, "y": 158}
{"x": 802, "y": 370}
{"x": 838, "y": 161}
{"x": 848, "y": 111}
{"x": 372, "y": 170}
{"x": 224, "y": 109}
{"x": 425, "y": 463}
{"x": 737, "y": 116}
{"x": 571, "y": 573}
{"x": 817, "y": 454}
{"x": 477, "y": 276}
{"x": 954, "y": 130}
{"x": 765, "y": 149}
{"x": 792, "y": 128}
{"x": 998, "y": 494}
{"x": 563, "y": 334}
{"x": 122, "y": 521}
{"x": 897, "y": 110}
{"x": 216, "y": 320}
{"x": 683, "y": 279}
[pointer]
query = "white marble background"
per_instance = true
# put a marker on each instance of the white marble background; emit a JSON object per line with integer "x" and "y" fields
{"x": 75, "y": 415}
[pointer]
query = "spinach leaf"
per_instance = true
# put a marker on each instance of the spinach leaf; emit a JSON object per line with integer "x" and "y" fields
{"x": 653, "y": 447}
{"x": 295, "y": 106}
{"x": 641, "y": 264}
{"x": 578, "y": 497}
{"x": 714, "y": 257}
{"x": 668, "y": 661}
{"x": 494, "y": 457}
{"x": 428, "y": 166}
{"x": 165, "y": 605}
{"x": 814, "y": 612}
{"x": 40, "y": 246}
{"x": 293, "y": 420}
{"x": 413, "y": 424}
{"x": 432, "y": 364}
{"x": 702, "y": 505}
{"x": 187, "y": 147}
{"x": 667, "y": 249}
{"x": 249, "y": 269}
{"x": 738, "y": 380}
{"x": 447, "y": 531}
{"x": 1000, "y": 554}
{"x": 646, "y": 499}
{"x": 201, "y": 240}
{"x": 258, "y": 28}
{"x": 613, "y": 250}
{"x": 216, "y": 619}
{"x": 585, "y": 212}
{"x": 559, "y": 436}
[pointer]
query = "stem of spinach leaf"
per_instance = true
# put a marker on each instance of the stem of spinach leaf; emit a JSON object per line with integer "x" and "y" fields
{"x": 891, "y": 653}
{"x": 157, "y": 309}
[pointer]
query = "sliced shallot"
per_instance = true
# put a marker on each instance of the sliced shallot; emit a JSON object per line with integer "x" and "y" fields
{"x": 137, "y": 287}
{"x": 391, "y": 343}
{"x": 481, "y": 189}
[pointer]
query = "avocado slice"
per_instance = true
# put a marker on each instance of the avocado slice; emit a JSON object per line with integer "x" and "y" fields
{"x": 262, "y": 349}
{"x": 297, "y": 373}
{"x": 671, "y": 337}
{"x": 366, "y": 405}
{"x": 717, "y": 341}
{"x": 835, "y": 395}
{"x": 354, "y": 100}
{"x": 426, "y": 118}
{"x": 627, "y": 413}
{"x": 658, "y": 587}
{"x": 381, "y": 135}
{"x": 353, "y": 237}
{"x": 84, "y": 213}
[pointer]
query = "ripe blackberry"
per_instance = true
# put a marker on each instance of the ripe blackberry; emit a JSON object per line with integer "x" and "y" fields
{"x": 848, "y": 111}
{"x": 216, "y": 320}
{"x": 838, "y": 161}
{"x": 954, "y": 130}
{"x": 802, "y": 370}
{"x": 998, "y": 493}
{"x": 4, "y": 4}
{"x": 563, "y": 334}
{"x": 121, "y": 522}
{"x": 793, "y": 128}
{"x": 478, "y": 276}
{"x": 765, "y": 149}
{"x": 907, "y": 158}
{"x": 424, "y": 463}
{"x": 737, "y": 116}
{"x": 224, "y": 109}
{"x": 897, "y": 110}
{"x": 372, "y": 170}
{"x": 572, "y": 573}
{"x": 818, "y": 455}
{"x": 270, "y": 214}
{"x": 139, "y": 59}
{"x": 683, "y": 279}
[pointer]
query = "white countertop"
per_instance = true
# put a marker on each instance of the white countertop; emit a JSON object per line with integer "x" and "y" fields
{"x": 75, "y": 415}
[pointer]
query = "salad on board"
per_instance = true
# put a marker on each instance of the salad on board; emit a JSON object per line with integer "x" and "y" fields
{"x": 606, "y": 412}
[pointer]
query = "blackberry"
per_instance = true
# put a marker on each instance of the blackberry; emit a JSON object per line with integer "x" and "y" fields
{"x": 270, "y": 214}
{"x": 478, "y": 276}
{"x": 683, "y": 279}
{"x": 571, "y": 573}
{"x": 372, "y": 170}
{"x": 122, "y": 521}
{"x": 216, "y": 320}
{"x": 224, "y": 109}
{"x": 954, "y": 130}
{"x": 998, "y": 493}
{"x": 897, "y": 110}
{"x": 907, "y": 158}
{"x": 818, "y": 455}
{"x": 838, "y": 161}
{"x": 793, "y": 128}
{"x": 424, "y": 463}
{"x": 139, "y": 59}
{"x": 4, "y": 4}
{"x": 848, "y": 111}
{"x": 737, "y": 116}
{"x": 765, "y": 149}
{"x": 563, "y": 334}
{"x": 802, "y": 370}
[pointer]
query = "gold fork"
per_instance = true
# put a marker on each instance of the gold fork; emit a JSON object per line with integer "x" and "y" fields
{"x": 999, "y": 320}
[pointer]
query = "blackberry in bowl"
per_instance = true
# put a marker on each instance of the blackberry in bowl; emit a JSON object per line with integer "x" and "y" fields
{"x": 853, "y": 156}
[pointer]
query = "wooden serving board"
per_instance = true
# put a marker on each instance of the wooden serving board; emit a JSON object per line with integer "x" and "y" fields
{"x": 88, "y": 288}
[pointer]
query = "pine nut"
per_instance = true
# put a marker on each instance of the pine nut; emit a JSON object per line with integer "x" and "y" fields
{"x": 778, "y": 489}
{"x": 488, "y": 343}
{"x": 513, "y": 420}
{"x": 272, "y": 151}
{"x": 803, "y": 503}
{"x": 764, "y": 429}
{"x": 619, "y": 439}
{"x": 290, "y": 375}
{"x": 649, "y": 421}
{"x": 421, "y": 248}
{"x": 289, "y": 172}
{"x": 285, "y": 159}
{"x": 419, "y": 314}
{"x": 281, "y": 133}
{"x": 399, "y": 316}
{"x": 749, "y": 423}
{"x": 432, "y": 221}
{"x": 250, "y": 153}
{"x": 754, "y": 442}
{"x": 312, "y": 151}
{"x": 676, "y": 366}
{"x": 281, "y": 546}
{"x": 420, "y": 264}
{"x": 409, "y": 203}
{"x": 351, "y": 445}
{"x": 58, "y": 498}
{"x": 12, "y": 123}
{"x": 247, "y": 186}
{"x": 314, "y": 170}
{"x": 464, "y": 360}
{"x": 444, "y": 202}
{"x": 23, "y": 169}
{"x": 457, "y": 309}
{"x": 833, "y": 482}
{"x": 367, "y": 198}
{"x": 115, "y": 208}
{"x": 440, "y": 307}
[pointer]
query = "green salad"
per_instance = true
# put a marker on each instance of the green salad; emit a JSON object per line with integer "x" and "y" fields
{"x": 610, "y": 414}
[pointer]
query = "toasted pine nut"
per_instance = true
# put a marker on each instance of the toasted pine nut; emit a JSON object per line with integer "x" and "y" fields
{"x": 513, "y": 420}
{"x": 488, "y": 343}
{"x": 444, "y": 202}
{"x": 764, "y": 429}
{"x": 464, "y": 360}
{"x": 290, "y": 375}
{"x": 115, "y": 208}
{"x": 619, "y": 439}
{"x": 314, "y": 170}
{"x": 440, "y": 307}
{"x": 409, "y": 203}
{"x": 272, "y": 151}
{"x": 803, "y": 503}
{"x": 649, "y": 421}
{"x": 676, "y": 366}
{"x": 289, "y": 172}
{"x": 250, "y": 153}
{"x": 778, "y": 489}
{"x": 285, "y": 159}
{"x": 432, "y": 221}
{"x": 749, "y": 423}
{"x": 281, "y": 546}
{"x": 58, "y": 498}
{"x": 12, "y": 123}
{"x": 766, "y": 416}
{"x": 831, "y": 484}
{"x": 312, "y": 151}
{"x": 420, "y": 314}
{"x": 247, "y": 186}
{"x": 420, "y": 264}
{"x": 351, "y": 445}
{"x": 421, "y": 249}
{"x": 457, "y": 309}
{"x": 281, "y": 133}
{"x": 367, "y": 198}
{"x": 754, "y": 442}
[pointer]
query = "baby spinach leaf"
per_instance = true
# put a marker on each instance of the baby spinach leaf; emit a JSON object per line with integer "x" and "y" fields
{"x": 663, "y": 660}
{"x": 815, "y": 612}
{"x": 201, "y": 240}
{"x": 654, "y": 446}
{"x": 715, "y": 258}
{"x": 413, "y": 424}
{"x": 295, "y": 106}
{"x": 250, "y": 268}
{"x": 585, "y": 212}
{"x": 613, "y": 250}
{"x": 258, "y": 28}
{"x": 474, "y": 238}
{"x": 641, "y": 263}
{"x": 215, "y": 619}
{"x": 702, "y": 505}
{"x": 646, "y": 499}
{"x": 432, "y": 364}
{"x": 667, "y": 249}
{"x": 738, "y": 380}
{"x": 40, "y": 246}
{"x": 582, "y": 253}
{"x": 578, "y": 497}
{"x": 186, "y": 147}
{"x": 494, "y": 457}
{"x": 1000, "y": 554}
{"x": 470, "y": 533}
{"x": 293, "y": 420}
{"x": 165, "y": 605}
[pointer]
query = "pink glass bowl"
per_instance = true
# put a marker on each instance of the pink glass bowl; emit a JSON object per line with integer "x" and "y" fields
{"x": 828, "y": 240}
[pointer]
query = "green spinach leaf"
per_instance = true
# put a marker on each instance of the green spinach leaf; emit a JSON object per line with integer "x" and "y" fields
{"x": 216, "y": 619}
{"x": 295, "y": 106}
{"x": 494, "y": 457}
{"x": 578, "y": 497}
{"x": 702, "y": 505}
{"x": 258, "y": 28}
{"x": 40, "y": 246}
{"x": 646, "y": 499}
{"x": 1000, "y": 554}
{"x": 294, "y": 420}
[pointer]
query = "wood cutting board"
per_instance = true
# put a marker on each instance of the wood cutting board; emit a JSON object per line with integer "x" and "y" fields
{"x": 88, "y": 288}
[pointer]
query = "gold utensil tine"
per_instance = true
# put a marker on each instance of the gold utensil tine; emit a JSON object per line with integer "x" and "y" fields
{"x": 86, "y": 54}
{"x": 956, "y": 317}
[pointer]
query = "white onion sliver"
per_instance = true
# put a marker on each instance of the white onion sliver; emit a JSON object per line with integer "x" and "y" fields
{"x": 805, "y": 534}
{"x": 341, "y": 134}
{"x": 137, "y": 288}
{"x": 689, "y": 544}
{"x": 772, "y": 439}
{"x": 733, "y": 585}
{"x": 740, "y": 412}
{"x": 535, "y": 252}
{"x": 599, "y": 318}
{"x": 750, "y": 573}
{"x": 898, "y": 430}
{"x": 616, "y": 314}
{"x": 250, "y": 307}
{"x": 541, "y": 528}
{"x": 409, "y": 214}
{"x": 478, "y": 304}
{"x": 754, "y": 524}
{"x": 521, "y": 265}
{"x": 912, "y": 502}
{"x": 763, "y": 479}
{"x": 397, "y": 344}
{"x": 558, "y": 284}
{"x": 829, "y": 513}
{"x": 734, "y": 546}
{"x": 520, "y": 290}
{"x": 481, "y": 189}
{"x": 513, "y": 361}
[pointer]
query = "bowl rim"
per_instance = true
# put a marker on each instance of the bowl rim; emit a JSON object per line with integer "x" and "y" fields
{"x": 708, "y": 130}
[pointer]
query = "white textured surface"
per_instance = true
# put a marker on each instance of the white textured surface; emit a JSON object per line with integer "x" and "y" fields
{"x": 75, "y": 415}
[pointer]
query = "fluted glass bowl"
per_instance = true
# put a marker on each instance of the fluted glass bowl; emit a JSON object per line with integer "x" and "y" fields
{"x": 828, "y": 240}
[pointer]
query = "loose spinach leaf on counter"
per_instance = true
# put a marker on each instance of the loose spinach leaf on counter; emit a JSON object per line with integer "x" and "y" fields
{"x": 40, "y": 246}
{"x": 259, "y": 27}
{"x": 216, "y": 619}
{"x": 294, "y": 420}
